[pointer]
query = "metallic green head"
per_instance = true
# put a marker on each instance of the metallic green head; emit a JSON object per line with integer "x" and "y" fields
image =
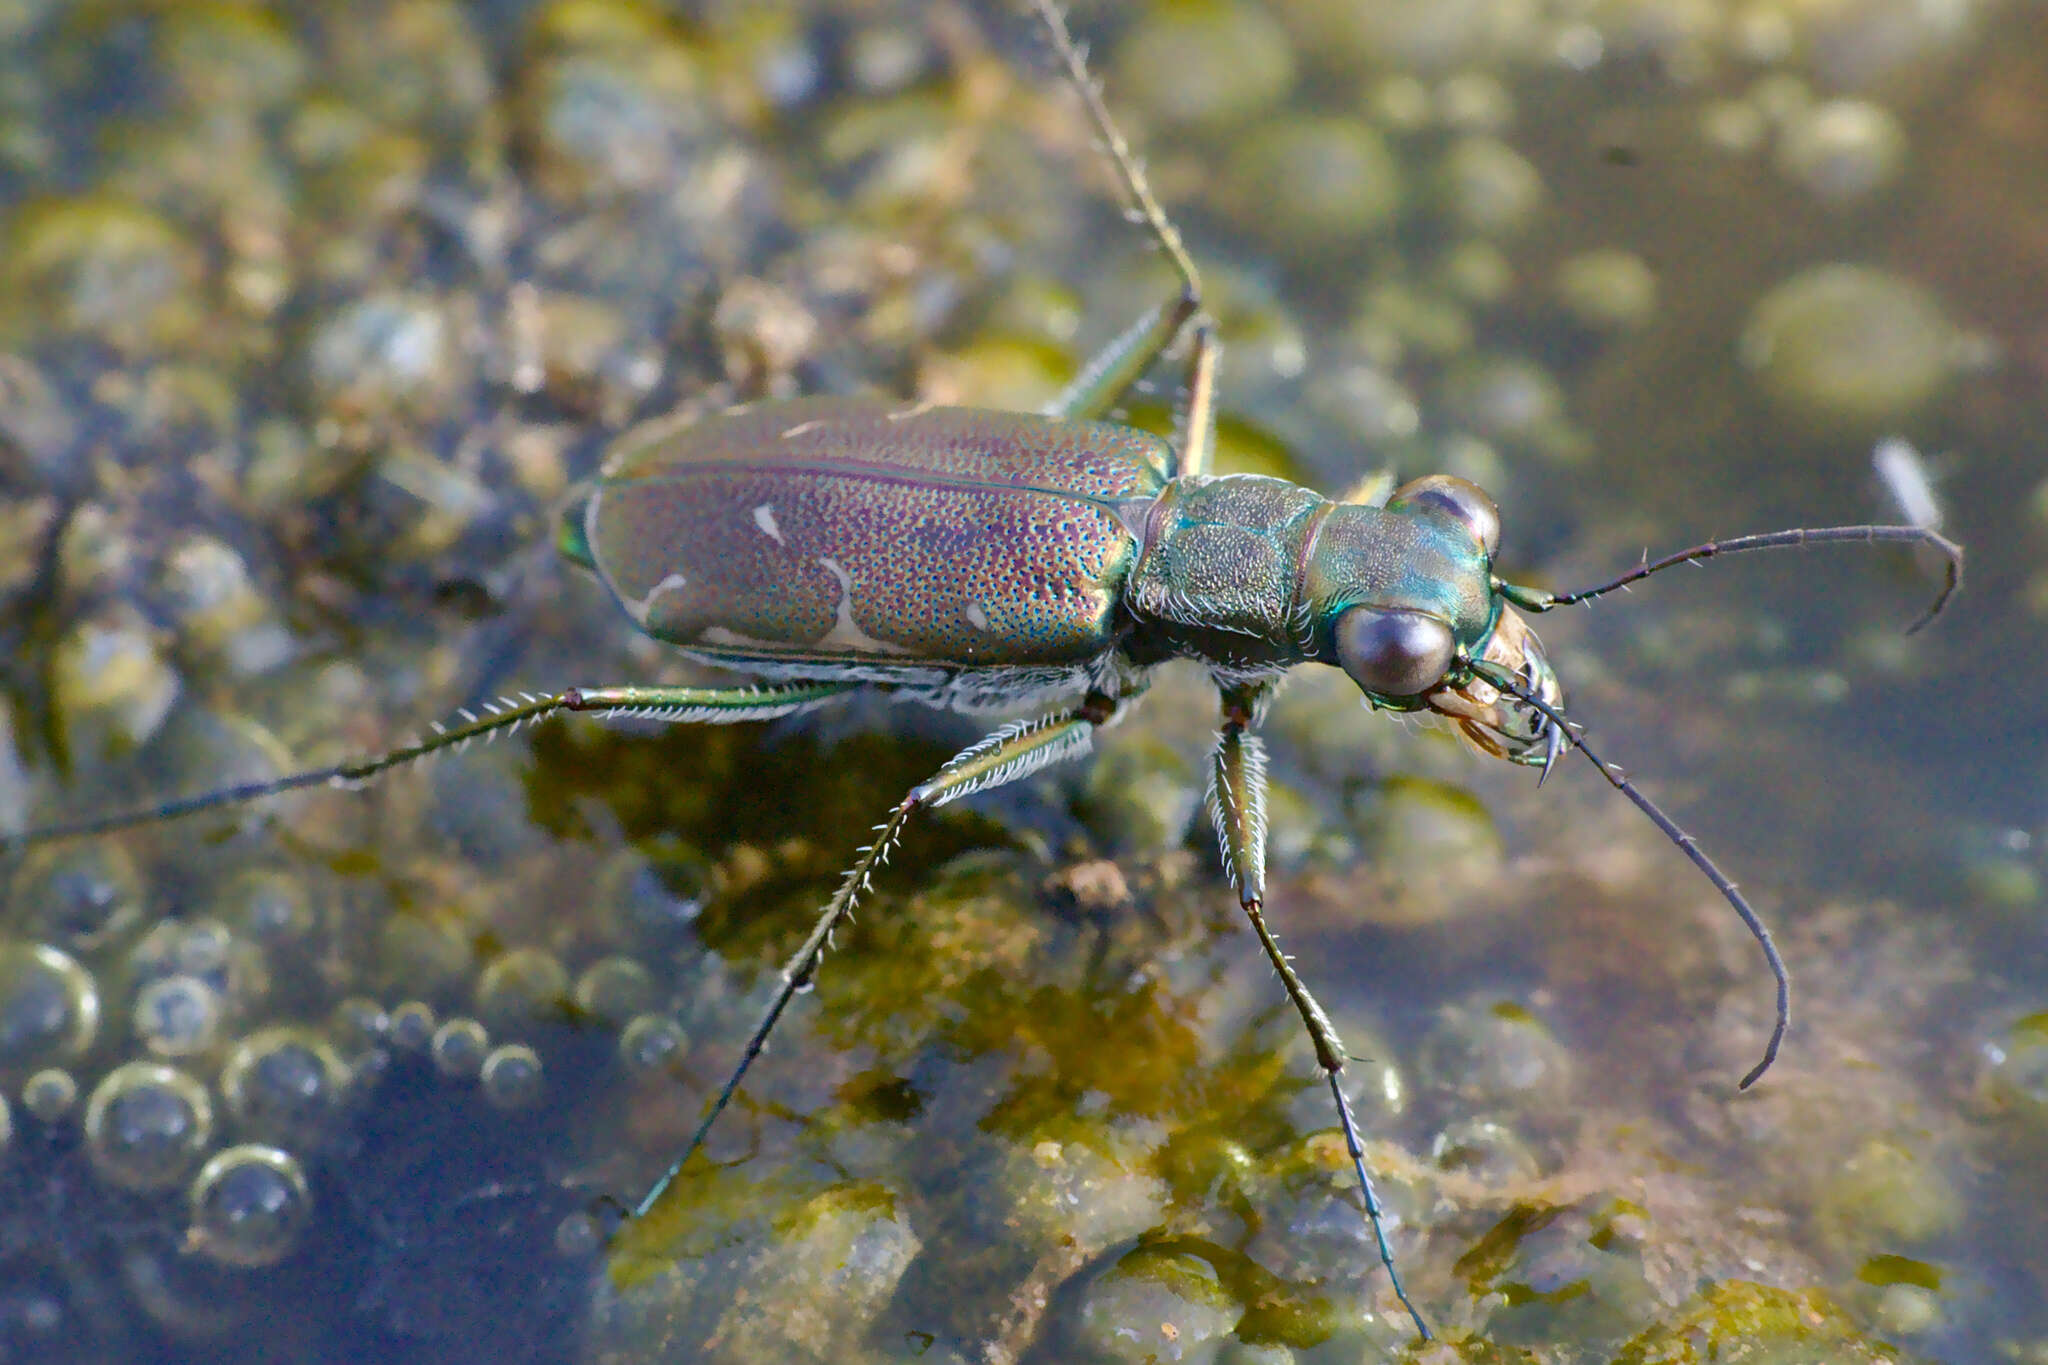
{"x": 1406, "y": 603}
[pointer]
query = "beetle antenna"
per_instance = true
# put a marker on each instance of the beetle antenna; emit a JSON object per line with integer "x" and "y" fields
{"x": 1687, "y": 845}
{"x": 1121, "y": 156}
{"x": 1537, "y": 600}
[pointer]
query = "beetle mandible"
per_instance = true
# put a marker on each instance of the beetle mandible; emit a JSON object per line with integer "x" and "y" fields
{"x": 998, "y": 562}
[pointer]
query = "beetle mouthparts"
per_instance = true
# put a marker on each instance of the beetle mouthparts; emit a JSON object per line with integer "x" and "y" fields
{"x": 1495, "y": 721}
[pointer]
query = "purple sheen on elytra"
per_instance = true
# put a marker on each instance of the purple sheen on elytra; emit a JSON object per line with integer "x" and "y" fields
{"x": 831, "y": 528}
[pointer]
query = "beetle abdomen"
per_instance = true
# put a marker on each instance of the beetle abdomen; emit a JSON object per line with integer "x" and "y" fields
{"x": 830, "y": 529}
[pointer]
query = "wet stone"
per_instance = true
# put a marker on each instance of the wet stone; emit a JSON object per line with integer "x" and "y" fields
{"x": 789, "y": 1278}
{"x": 1153, "y": 1307}
{"x": 1205, "y": 65}
{"x": 1440, "y": 36}
{"x": 1249, "y": 1353}
{"x": 1753, "y": 1322}
{"x": 1506, "y": 399}
{"x": 1850, "y": 344}
{"x": 1312, "y": 1230}
{"x": 2015, "y": 1069}
{"x": 421, "y": 954}
{"x": 1491, "y": 1152}
{"x": 1474, "y": 102}
{"x": 1885, "y": 1197}
{"x": 112, "y": 685}
{"x": 229, "y": 55}
{"x": 578, "y": 1236}
{"x": 103, "y": 266}
{"x": 146, "y": 1125}
{"x": 1549, "y": 1275}
{"x": 1338, "y": 179}
{"x": 1489, "y": 187}
{"x": 609, "y": 102}
{"x": 1495, "y": 1053}
{"x": 218, "y": 612}
{"x": 884, "y": 58}
{"x": 250, "y": 1205}
{"x": 1140, "y": 797}
{"x": 1608, "y": 289}
{"x": 1842, "y": 150}
{"x": 1432, "y": 845}
{"x": 359, "y": 1026}
{"x": 1071, "y": 1193}
{"x": 383, "y": 357}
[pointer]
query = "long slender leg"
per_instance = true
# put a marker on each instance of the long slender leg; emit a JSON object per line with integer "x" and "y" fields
{"x": 1237, "y": 802}
{"x": 1197, "y": 420}
{"x": 1010, "y": 753}
{"x": 696, "y": 705}
{"x": 1111, "y": 372}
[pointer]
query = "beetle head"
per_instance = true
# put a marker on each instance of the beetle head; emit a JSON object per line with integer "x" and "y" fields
{"x": 1411, "y": 634}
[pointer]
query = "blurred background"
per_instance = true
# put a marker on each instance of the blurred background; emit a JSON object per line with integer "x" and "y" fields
{"x": 311, "y": 317}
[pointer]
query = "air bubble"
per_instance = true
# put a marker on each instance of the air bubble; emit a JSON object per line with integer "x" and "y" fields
{"x": 81, "y": 898}
{"x": 524, "y": 986}
{"x": 177, "y": 1016}
{"x": 459, "y": 1048}
{"x": 512, "y": 1077}
{"x": 284, "y": 1084}
{"x": 647, "y": 1044}
{"x": 412, "y": 1026}
{"x": 250, "y": 1205}
{"x": 49, "y": 1008}
{"x": 614, "y": 989}
{"x": 49, "y": 1095}
{"x": 146, "y": 1124}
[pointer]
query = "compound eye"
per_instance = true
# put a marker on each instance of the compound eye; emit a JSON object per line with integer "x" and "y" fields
{"x": 1394, "y": 653}
{"x": 1450, "y": 496}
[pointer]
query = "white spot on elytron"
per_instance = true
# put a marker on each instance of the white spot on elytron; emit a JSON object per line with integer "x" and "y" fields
{"x": 764, "y": 517}
{"x": 802, "y": 429}
{"x": 644, "y": 608}
{"x": 844, "y": 633}
{"x": 976, "y": 617}
{"x": 917, "y": 409}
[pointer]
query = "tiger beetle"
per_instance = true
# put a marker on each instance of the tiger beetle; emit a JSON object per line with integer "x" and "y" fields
{"x": 984, "y": 561}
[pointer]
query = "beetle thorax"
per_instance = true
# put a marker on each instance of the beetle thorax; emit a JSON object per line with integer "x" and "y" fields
{"x": 1219, "y": 575}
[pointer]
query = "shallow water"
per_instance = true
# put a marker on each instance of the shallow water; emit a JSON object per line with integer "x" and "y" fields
{"x": 309, "y": 324}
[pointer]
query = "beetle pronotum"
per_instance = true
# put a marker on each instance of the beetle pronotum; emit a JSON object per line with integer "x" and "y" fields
{"x": 983, "y": 561}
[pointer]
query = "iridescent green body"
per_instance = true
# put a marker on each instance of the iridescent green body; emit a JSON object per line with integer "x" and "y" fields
{"x": 983, "y": 558}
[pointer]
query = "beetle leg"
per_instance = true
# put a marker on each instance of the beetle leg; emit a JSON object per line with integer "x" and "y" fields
{"x": 1010, "y": 753}
{"x": 1237, "y": 803}
{"x": 1111, "y": 372}
{"x": 695, "y": 705}
{"x": 1196, "y": 427}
